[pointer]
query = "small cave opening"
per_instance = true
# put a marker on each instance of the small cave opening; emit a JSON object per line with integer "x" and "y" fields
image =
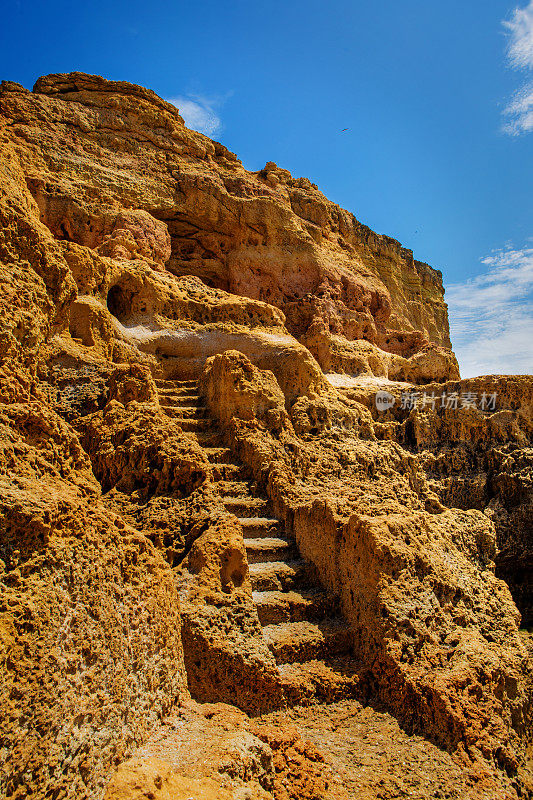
{"x": 119, "y": 302}
{"x": 63, "y": 233}
{"x": 517, "y": 572}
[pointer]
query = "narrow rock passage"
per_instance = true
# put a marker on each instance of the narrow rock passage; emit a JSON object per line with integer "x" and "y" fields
{"x": 301, "y": 621}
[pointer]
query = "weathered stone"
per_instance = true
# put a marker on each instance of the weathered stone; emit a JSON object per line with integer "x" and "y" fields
{"x": 198, "y": 494}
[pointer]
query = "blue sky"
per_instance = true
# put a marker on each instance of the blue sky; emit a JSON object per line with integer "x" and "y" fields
{"x": 437, "y": 99}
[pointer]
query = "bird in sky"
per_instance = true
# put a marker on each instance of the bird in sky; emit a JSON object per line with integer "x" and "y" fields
{"x": 345, "y": 129}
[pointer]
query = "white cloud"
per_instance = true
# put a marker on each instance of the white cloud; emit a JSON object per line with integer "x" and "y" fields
{"x": 519, "y": 110}
{"x": 199, "y": 113}
{"x": 491, "y": 316}
{"x": 520, "y": 46}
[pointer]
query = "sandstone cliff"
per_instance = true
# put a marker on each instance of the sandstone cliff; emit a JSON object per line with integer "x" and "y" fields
{"x": 200, "y": 500}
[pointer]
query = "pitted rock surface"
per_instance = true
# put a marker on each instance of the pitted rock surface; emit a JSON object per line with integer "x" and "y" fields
{"x": 225, "y": 573}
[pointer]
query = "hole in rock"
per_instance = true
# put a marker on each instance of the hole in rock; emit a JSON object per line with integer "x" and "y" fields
{"x": 517, "y": 572}
{"x": 64, "y": 234}
{"x": 237, "y": 577}
{"x": 119, "y": 302}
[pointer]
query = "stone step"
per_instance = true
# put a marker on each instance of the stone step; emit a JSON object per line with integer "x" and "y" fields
{"x": 191, "y": 425}
{"x": 178, "y": 391}
{"x": 180, "y": 402}
{"x": 177, "y": 411}
{"x": 235, "y": 488}
{"x": 184, "y": 399}
{"x": 219, "y": 455}
{"x": 307, "y": 604}
{"x": 272, "y": 576}
{"x": 270, "y": 548}
{"x": 211, "y": 438}
{"x": 321, "y": 681}
{"x": 187, "y": 400}
{"x": 161, "y": 383}
{"x": 226, "y": 472}
{"x": 246, "y": 507}
{"x": 305, "y": 641}
{"x": 185, "y": 411}
{"x": 258, "y": 527}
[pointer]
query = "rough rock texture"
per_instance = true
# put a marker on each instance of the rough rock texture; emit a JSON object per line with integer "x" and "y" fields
{"x": 139, "y": 261}
{"x": 136, "y": 234}
{"x": 337, "y": 752}
{"x": 436, "y": 632}
{"x": 476, "y": 460}
{"x": 372, "y": 757}
{"x": 91, "y": 652}
{"x": 214, "y": 751}
{"x": 112, "y": 167}
{"x": 227, "y": 658}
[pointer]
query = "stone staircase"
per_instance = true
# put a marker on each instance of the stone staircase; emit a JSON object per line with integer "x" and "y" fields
{"x": 300, "y": 620}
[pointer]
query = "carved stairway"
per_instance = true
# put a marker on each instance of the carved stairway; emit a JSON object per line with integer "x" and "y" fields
{"x": 300, "y": 620}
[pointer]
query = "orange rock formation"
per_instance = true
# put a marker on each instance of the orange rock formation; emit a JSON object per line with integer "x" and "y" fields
{"x": 223, "y": 570}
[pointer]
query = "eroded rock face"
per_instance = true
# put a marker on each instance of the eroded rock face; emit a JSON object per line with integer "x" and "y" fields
{"x": 135, "y": 253}
{"x": 136, "y": 234}
{"x": 263, "y": 235}
{"x": 476, "y": 459}
{"x": 90, "y": 633}
{"x": 437, "y": 630}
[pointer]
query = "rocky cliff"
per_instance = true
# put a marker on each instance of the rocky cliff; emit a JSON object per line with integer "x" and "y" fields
{"x": 208, "y": 527}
